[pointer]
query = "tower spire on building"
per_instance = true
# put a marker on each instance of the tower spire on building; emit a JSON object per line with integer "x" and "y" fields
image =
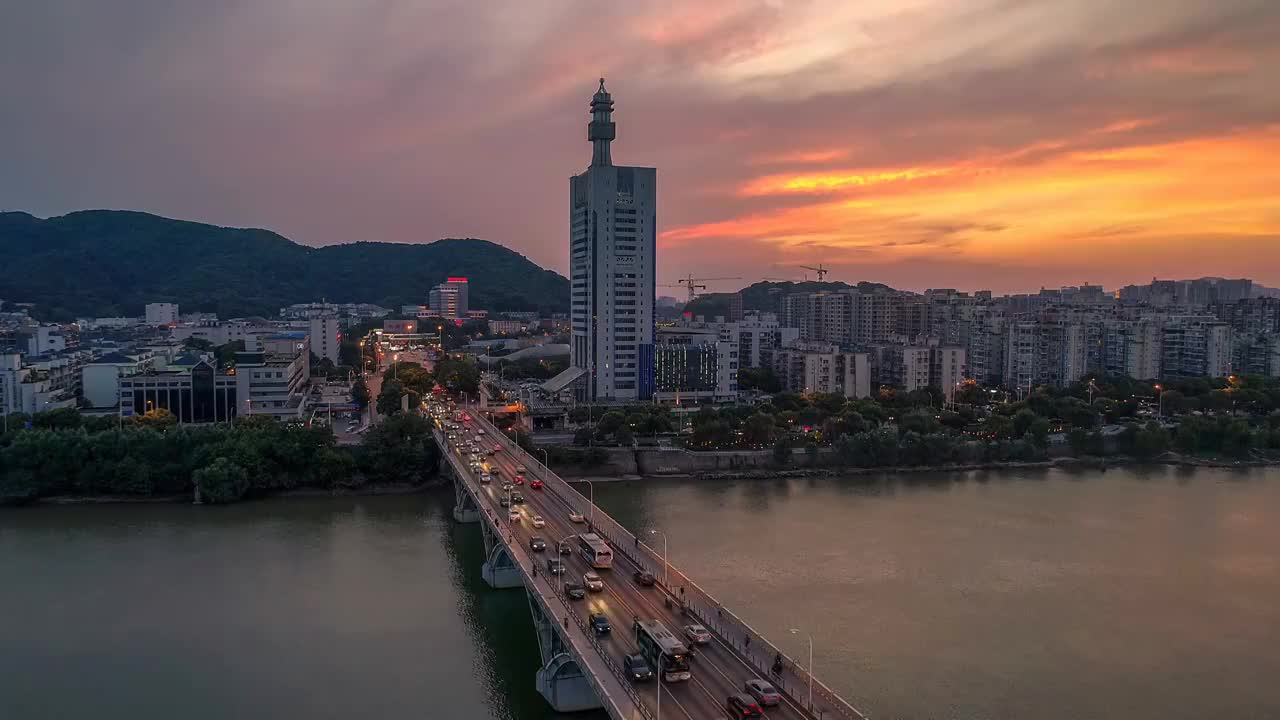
{"x": 601, "y": 130}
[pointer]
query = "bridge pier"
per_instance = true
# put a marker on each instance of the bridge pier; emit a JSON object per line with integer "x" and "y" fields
{"x": 464, "y": 506}
{"x": 499, "y": 569}
{"x": 560, "y": 680}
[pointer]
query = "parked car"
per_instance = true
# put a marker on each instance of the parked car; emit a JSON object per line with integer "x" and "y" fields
{"x": 644, "y": 578}
{"x": 697, "y": 634}
{"x": 574, "y": 591}
{"x": 537, "y": 544}
{"x": 599, "y": 623}
{"x": 593, "y": 582}
{"x": 763, "y": 692}
{"x": 636, "y": 668}
{"x": 742, "y": 706}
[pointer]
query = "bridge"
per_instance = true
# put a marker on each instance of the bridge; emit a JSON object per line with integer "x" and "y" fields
{"x": 581, "y": 670}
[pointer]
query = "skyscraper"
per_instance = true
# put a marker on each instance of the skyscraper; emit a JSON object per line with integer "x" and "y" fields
{"x": 612, "y": 244}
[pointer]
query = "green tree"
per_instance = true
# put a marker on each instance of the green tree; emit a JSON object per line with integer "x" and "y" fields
{"x": 389, "y": 397}
{"x": 222, "y": 481}
{"x": 360, "y": 393}
{"x": 781, "y": 453}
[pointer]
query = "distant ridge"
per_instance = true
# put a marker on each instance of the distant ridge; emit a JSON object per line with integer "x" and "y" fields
{"x": 112, "y": 262}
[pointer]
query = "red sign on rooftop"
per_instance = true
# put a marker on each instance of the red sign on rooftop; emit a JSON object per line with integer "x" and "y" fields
{"x": 457, "y": 279}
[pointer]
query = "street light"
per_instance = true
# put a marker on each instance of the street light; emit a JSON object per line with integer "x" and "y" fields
{"x": 666, "y": 566}
{"x": 1159, "y": 401}
{"x": 545, "y": 467}
{"x": 796, "y": 631}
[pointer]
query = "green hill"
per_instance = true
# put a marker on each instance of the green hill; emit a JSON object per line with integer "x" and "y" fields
{"x": 107, "y": 262}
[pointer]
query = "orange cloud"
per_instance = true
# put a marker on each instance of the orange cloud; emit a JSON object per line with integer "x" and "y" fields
{"x": 1196, "y": 200}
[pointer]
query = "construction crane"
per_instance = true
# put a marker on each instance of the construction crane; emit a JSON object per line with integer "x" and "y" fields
{"x": 693, "y": 284}
{"x": 822, "y": 272}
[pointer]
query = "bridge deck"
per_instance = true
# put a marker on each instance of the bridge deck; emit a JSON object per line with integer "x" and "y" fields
{"x": 737, "y": 652}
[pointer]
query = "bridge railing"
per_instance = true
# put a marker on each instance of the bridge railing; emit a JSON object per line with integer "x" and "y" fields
{"x": 750, "y": 644}
{"x": 519, "y": 558}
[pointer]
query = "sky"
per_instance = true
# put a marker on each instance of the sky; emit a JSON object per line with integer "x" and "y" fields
{"x": 975, "y": 144}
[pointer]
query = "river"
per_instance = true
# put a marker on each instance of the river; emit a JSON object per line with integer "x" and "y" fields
{"x": 1022, "y": 594}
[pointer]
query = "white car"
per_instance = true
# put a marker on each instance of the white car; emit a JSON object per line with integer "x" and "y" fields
{"x": 484, "y": 477}
{"x": 697, "y": 634}
{"x": 763, "y": 692}
{"x": 538, "y": 522}
{"x": 577, "y": 517}
{"x": 513, "y": 515}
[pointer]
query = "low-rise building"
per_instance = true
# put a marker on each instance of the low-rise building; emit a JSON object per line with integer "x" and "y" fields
{"x": 161, "y": 314}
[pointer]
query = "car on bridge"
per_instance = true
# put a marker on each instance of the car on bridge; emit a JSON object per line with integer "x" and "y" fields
{"x": 519, "y": 480}
{"x": 763, "y": 692}
{"x": 485, "y": 477}
{"x": 742, "y": 706}
{"x": 577, "y": 517}
{"x": 644, "y": 578}
{"x": 555, "y": 566}
{"x": 506, "y": 486}
{"x": 593, "y": 582}
{"x": 697, "y": 634}
{"x": 536, "y": 484}
{"x": 517, "y": 498}
{"x": 514, "y": 515}
{"x": 564, "y": 548}
{"x": 636, "y": 668}
{"x": 504, "y": 501}
{"x": 538, "y": 522}
{"x": 599, "y": 623}
{"x": 537, "y": 544}
{"x": 574, "y": 591}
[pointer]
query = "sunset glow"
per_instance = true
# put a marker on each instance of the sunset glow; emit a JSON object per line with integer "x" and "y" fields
{"x": 1005, "y": 145}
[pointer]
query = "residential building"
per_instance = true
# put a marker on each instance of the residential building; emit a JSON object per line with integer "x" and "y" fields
{"x": 759, "y": 335}
{"x": 27, "y": 388}
{"x": 46, "y": 339}
{"x": 325, "y": 335}
{"x": 449, "y": 298}
{"x": 161, "y": 314}
{"x": 612, "y": 248}
{"x": 1196, "y": 346}
{"x": 822, "y": 368}
{"x": 100, "y": 377}
{"x": 947, "y": 369}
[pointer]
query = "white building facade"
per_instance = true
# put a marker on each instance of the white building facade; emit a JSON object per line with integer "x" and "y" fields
{"x": 612, "y": 246}
{"x": 161, "y": 314}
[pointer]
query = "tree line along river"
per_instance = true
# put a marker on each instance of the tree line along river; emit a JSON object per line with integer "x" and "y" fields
{"x": 1014, "y": 594}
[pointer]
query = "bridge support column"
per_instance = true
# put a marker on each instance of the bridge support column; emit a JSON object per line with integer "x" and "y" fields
{"x": 560, "y": 680}
{"x": 499, "y": 570}
{"x": 464, "y": 506}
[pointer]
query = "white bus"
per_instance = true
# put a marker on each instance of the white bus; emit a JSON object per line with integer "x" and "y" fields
{"x": 595, "y": 551}
{"x": 663, "y": 651}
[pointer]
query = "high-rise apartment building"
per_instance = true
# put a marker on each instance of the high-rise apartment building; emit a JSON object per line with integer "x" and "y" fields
{"x": 326, "y": 337}
{"x": 612, "y": 248}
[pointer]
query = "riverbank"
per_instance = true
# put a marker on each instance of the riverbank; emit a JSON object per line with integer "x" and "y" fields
{"x": 1064, "y": 463}
{"x": 364, "y": 491}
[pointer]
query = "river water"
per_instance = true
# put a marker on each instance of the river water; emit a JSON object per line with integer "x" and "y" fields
{"x": 1028, "y": 594}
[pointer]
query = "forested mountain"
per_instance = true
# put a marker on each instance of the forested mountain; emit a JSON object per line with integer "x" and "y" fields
{"x": 108, "y": 262}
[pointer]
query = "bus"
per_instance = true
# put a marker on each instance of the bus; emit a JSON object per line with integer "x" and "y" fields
{"x": 595, "y": 551}
{"x": 663, "y": 651}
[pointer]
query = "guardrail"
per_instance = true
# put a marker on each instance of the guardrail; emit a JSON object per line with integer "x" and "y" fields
{"x": 517, "y": 555}
{"x": 750, "y": 644}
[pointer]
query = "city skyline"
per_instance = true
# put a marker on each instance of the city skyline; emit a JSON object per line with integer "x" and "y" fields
{"x": 1005, "y": 146}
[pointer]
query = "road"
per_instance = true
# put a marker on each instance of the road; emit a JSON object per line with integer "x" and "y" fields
{"x": 717, "y": 670}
